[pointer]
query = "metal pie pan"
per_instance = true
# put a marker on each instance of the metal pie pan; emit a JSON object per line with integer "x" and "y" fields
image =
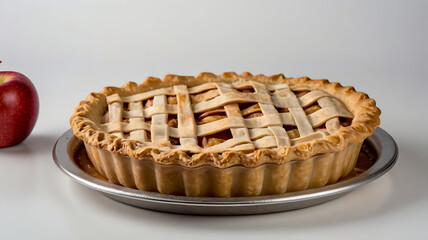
{"x": 381, "y": 141}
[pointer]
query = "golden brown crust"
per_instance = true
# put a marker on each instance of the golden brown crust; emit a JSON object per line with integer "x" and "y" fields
{"x": 88, "y": 114}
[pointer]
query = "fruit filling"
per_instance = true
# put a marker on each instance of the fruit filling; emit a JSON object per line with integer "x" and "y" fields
{"x": 172, "y": 120}
{"x": 148, "y": 103}
{"x": 211, "y": 116}
{"x": 172, "y": 99}
{"x": 214, "y": 139}
{"x": 312, "y": 108}
{"x": 246, "y": 90}
{"x": 252, "y": 111}
{"x": 292, "y": 131}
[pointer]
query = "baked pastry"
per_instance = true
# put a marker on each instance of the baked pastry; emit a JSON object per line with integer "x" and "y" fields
{"x": 227, "y": 135}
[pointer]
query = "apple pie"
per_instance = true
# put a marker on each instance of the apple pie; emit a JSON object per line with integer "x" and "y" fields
{"x": 225, "y": 136}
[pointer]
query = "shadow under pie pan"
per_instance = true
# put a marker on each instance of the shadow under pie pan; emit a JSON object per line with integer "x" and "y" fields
{"x": 69, "y": 151}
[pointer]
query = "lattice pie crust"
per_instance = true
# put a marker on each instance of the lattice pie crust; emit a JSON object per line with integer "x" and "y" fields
{"x": 228, "y": 135}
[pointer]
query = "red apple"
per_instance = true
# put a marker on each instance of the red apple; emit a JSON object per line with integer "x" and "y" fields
{"x": 19, "y": 108}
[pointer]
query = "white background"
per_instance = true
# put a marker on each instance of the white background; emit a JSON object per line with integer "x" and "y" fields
{"x": 70, "y": 48}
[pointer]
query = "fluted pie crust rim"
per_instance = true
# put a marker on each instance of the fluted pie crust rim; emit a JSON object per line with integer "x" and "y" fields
{"x": 364, "y": 111}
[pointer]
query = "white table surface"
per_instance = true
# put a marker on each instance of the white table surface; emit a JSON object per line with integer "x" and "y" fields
{"x": 70, "y": 48}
